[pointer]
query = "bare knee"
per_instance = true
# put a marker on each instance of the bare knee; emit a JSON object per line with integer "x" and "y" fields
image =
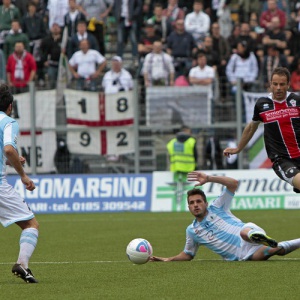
{"x": 32, "y": 223}
{"x": 244, "y": 234}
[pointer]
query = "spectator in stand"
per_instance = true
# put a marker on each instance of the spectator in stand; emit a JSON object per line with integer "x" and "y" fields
{"x": 96, "y": 13}
{"x": 33, "y": 25}
{"x": 203, "y": 74}
{"x": 161, "y": 24}
{"x": 245, "y": 36}
{"x": 272, "y": 11}
{"x": 181, "y": 46}
{"x": 81, "y": 34}
{"x": 86, "y": 66}
{"x": 8, "y": 13}
{"x": 117, "y": 79}
{"x": 173, "y": 12}
{"x": 197, "y": 23}
{"x": 72, "y": 17}
{"x": 295, "y": 78}
{"x": 20, "y": 69}
{"x": 211, "y": 55}
{"x": 22, "y": 5}
{"x": 272, "y": 60}
{"x": 145, "y": 45}
{"x": 222, "y": 47}
{"x": 246, "y": 8}
{"x": 275, "y": 35}
{"x": 50, "y": 53}
{"x": 57, "y": 9}
{"x": 41, "y": 6}
{"x": 234, "y": 37}
{"x": 225, "y": 18}
{"x": 295, "y": 19}
{"x": 158, "y": 68}
{"x": 292, "y": 50}
{"x": 15, "y": 34}
{"x": 243, "y": 65}
{"x": 127, "y": 14}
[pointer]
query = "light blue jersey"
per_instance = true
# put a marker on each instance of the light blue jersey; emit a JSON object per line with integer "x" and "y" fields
{"x": 9, "y": 130}
{"x": 219, "y": 231}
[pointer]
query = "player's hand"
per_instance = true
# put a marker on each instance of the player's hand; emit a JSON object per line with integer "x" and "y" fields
{"x": 156, "y": 258}
{"x": 29, "y": 184}
{"x": 197, "y": 176}
{"x": 22, "y": 160}
{"x": 229, "y": 151}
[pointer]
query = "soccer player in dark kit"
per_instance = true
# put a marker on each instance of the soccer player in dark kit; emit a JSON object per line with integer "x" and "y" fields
{"x": 280, "y": 113}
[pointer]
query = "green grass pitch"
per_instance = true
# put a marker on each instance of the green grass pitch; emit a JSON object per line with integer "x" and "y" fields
{"x": 82, "y": 256}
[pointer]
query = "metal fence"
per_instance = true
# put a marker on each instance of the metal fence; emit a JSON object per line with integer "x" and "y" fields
{"x": 149, "y": 138}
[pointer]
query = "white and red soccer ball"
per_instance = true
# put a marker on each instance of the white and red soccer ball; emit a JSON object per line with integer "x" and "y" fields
{"x": 139, "y": 251}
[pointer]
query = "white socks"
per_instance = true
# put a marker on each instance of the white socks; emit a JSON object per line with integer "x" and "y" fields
{"x": 28, "y": 241}
{"x": 290, "y": 246}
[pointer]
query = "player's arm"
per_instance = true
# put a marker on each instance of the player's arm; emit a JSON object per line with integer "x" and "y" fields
{"x": 22, "y": 161}
{"x": 246, "y": 137}
{"x": 182, "y": 256}
{"x": 14, "y": 160}
{"x": 202, "y": 178}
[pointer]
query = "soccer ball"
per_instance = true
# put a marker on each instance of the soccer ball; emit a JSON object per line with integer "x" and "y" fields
{"x": 139, "y": 251}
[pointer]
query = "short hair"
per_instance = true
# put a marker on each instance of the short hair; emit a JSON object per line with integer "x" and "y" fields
{"x": 6, "y": 97}
{"x": 201, "y": 54}
{"x": 158, "y": 5}
{"x": 81, "y": 22}
{"x": 196, "y": 191}
{"x": 281, "y": 71}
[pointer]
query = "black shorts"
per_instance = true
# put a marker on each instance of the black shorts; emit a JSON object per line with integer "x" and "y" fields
{"x": 286, "y": 169}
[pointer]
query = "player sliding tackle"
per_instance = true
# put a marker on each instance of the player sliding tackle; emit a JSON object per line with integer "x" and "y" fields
{"x": 216, "y": 228}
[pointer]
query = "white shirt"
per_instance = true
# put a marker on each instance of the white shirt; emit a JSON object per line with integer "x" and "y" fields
{"x": 113, "y": 82}
{"x": 197, "y": 24}
{"x": 86, "y": 63}
{"x": 206, "y": 72}
{"x": 57, "y": 11}
{"x": 158, "y": 65}
{"x": 219, "y": 231}
{"x": 246, "y": 69}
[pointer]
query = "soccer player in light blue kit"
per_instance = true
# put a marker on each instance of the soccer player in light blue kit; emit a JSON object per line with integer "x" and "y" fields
{"x": 216, "y": 228}
{"x": 13, "y": 208}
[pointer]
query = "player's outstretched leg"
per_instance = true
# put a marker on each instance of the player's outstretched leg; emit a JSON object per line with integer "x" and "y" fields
{"x": 289, "y": 246}
{"x": 259, "y": 237}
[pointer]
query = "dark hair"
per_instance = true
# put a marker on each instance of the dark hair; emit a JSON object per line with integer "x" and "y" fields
{"x": 196, "y": 191}
{"x": 201, "y": 54}
{"x": 6, "y": 97}
{"x": 158, "y": 5}
{"x": 81, "y": 22}
{"x": 281, "y": 71}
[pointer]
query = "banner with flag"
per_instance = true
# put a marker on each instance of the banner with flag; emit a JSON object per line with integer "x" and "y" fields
{"x": 100, "y": 124}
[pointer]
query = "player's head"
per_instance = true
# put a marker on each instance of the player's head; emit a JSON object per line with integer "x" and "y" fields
{"x": 6, "y": 97}
{"x": 196, "y": 192}
{"x": 197, "y": 203}
{"x": 280, "y": 83}
{"x": 281, "y": 71}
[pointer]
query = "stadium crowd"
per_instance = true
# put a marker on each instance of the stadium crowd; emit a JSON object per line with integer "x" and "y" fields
{"x": 173, "y": 42}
